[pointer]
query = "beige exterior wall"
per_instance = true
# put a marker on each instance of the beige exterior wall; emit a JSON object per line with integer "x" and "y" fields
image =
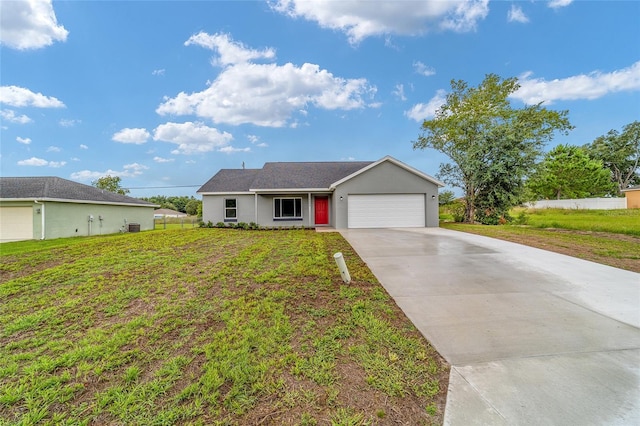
{"x": 633, "y": 199}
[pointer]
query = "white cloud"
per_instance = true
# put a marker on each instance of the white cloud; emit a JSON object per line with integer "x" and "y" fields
{"x": 29, "y": 24}
{"x": 53, "y": 149}
{"x": 555, "y": 4}
{"x": 399, "y": 92}
{"x": 83, "y": 146}
{"x": 191, "y": 138}
{"x": 39, "y": 162}
{"x": 20, "y": 97}
{"x": 135, "y": 136}
{"x": 584, "y": 86}
{"x": 10, "y": 116}
{"x": 130, "y": 170}
{"x": 231, "y": 150}
{"x": 75, "y": 159}
{"x": 69, "y": 122}
{"x": 517, "y": 15}
{"x": 268, "y": 94}
{"x": 163, "y": 160}
{"x": 467, "y": 15}
{"x": 423, "y": 69}
{"x": 362, "y": 19}
{"x": 229, "y": 51}
{"x": 255, "y": 140}
{"x": 158, "y": 72}
{"x": 421, "y": 112}
{"x": 24, "y": 141}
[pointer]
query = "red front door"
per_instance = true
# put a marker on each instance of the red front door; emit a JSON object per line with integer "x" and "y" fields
{"x": 322, "y": 210}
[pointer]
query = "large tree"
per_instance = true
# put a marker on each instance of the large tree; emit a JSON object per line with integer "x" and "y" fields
{"x": 620, "y": 153}
{"x": 492, "y": 145}
{"x": 111, "y": 184}
{"x": 568, "y": 172}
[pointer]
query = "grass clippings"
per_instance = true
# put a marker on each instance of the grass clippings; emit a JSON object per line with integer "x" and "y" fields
{"x": 207, "y": 326}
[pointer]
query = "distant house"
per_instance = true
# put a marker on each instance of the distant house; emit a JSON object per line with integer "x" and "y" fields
{"x": 160, "y": 213}
{"x": 52, "y": 207}
{"x": 633, "y": 197}
{"x": 353, "y": 194}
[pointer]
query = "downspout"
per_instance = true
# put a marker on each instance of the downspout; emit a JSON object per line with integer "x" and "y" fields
{"x": 309, "y": 210}
{"x": 255, "y": 207}
{"x": 42, "y": 218}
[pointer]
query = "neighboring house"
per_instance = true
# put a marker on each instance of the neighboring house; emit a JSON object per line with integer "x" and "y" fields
{"x": 380, "y": 194}
{"x": 160, "y": 213}
{"x": 52, "y": 207}
{"x": 633, "y": 197}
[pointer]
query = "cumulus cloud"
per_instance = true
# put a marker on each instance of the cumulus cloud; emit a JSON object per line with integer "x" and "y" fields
{"x": 83, "y": 146}
{"x": 268, "y": 94}
{"x": 53, "y": 149}
{"x": 584, "y": 86}
{"x": 21, "y": 97}
{"x": 192, "y": 137}
{"x": 517, "y": 15}
{"x": 423, "y": 69}
{"x": 40, "y": 162}
{"x": 231, "y": 150}
{"x": 129, "y": 170}
{"x": 135, "y": 136}
{"x": 158, "y": 72}
{"x": 10, "y": 116}
{"x": 362, "y": 19}
{"x": 24, "y": 141}
{"x": 421, "y": 112}
{"x": 229, "y": 51}
{"x": 555, "y": 4}
{"x": 29, "y": 24}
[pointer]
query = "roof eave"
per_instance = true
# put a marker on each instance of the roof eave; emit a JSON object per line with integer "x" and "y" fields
{"x": 65, "y": 200}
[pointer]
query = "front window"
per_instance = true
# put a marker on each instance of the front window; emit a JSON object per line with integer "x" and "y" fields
{"x": 287, "y": 208}
{"x": 230, "y": 209}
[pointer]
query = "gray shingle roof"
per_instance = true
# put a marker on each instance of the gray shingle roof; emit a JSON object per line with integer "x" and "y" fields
{"x": 283, "y": 176}
{"x": 49, "y": 187}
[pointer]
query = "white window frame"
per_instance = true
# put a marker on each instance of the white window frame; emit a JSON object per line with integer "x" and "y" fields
{"x": 279, "y": 200}
{"x": 228, "y": 218}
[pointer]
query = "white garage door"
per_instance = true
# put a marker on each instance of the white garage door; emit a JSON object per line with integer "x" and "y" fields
{"x": 16, "y": 223}
{"x": 386, "y": 211}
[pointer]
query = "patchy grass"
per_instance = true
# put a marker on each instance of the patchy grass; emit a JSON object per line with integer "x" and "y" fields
{"x": 625, "y": 221}
{"x": 620, "y": 250}
{"x": 207, "y": 326}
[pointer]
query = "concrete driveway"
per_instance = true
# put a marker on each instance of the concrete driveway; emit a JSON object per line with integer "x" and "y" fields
{"x": 533, "y": 337}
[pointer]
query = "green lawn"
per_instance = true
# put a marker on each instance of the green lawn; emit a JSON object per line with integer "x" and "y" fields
{"x": 206, "y": 326}
{"x": 610, "y": 237}
{"x": 616, "y": 221}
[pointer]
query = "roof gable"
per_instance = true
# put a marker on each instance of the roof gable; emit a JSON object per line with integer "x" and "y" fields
{"x": 393, "y": 161}
{"x": 55, "y": 188}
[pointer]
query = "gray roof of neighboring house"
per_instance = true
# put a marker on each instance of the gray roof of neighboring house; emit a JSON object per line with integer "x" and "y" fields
{"x": 55, "y": 188}
{"x": 303, "y": 175}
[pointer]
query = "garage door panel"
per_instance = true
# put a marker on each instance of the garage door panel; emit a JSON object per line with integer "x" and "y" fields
{"x": 16, "y": 223}
{"x": 386, "y": 210}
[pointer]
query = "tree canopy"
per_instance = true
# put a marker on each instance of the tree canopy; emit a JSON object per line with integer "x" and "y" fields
{"x": 181, "y": 203}
{"x": 111, "y": 184}
{"x": 568, "y": 172}
{"x": 620, "y": 153}
{"x": 492, "y": 145}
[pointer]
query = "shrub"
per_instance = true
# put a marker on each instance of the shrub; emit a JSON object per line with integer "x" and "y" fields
{"x": 220, "y": 225}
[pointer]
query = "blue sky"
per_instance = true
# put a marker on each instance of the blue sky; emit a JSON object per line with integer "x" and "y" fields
{"x": 166, "y": 93}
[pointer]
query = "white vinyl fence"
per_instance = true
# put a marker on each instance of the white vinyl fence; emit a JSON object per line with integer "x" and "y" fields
{"x": 583, "y": 203}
